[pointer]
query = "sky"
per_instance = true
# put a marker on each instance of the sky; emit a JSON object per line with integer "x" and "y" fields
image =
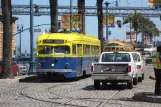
{"x": 91, "y": 21}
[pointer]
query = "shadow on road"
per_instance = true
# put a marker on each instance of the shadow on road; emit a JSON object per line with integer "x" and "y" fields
{"x": 49, "y": 79}
{"x": 107, "y": 87}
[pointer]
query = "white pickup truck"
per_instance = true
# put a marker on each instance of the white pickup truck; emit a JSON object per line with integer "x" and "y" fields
{"x": 115, "y": 67}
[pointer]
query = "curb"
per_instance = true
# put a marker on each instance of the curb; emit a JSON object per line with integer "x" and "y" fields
{"x": 147, "y": 97}
{"x": 28, "y": 78}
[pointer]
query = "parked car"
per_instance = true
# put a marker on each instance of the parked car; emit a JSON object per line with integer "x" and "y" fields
{"x": 14, "y": 68}
{"x": 140, "y": 63}
{"x": 22, "y": 69}
{"x": 147, "y": 56}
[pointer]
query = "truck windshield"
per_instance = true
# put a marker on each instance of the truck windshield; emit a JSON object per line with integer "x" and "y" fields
{"x": 116, "y": 57}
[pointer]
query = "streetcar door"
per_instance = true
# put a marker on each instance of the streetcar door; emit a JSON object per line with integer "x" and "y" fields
{"x": 79, "y": 59}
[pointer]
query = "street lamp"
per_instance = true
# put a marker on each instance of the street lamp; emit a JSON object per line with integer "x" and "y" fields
{"x": 20, "y": 29}
{"x": 71, "y": 15}
{"x": 107, "y": 4}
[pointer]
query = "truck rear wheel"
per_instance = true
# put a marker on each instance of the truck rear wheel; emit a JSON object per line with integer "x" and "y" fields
{"x": 139, "y": 79}
{"x": 129, "y": 84}
{"x": 97, "y": 84}
{"x": 135, "y": 81}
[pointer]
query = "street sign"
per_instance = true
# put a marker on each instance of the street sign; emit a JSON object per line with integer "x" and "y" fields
{"x": 65, "y": 21}
{"x": 76, "y": 22}
{"x": 133, "y": 35}
{"x": 154, "y": 2}
{"x": 37, "y": 30}
{"x": 111, "y": 20}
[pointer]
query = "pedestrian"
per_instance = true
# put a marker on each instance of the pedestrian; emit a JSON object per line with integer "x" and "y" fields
{"x": 156, "y": 60}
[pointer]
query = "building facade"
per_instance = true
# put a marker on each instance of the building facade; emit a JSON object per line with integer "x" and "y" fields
{"x": 13, "y": 37}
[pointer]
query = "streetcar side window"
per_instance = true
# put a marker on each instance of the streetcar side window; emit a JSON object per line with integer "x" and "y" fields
{"x": 74, "y": 49}
{"x": 86, "y": 49}
{"x": 61, "y": 50}
{"x": 79, "y": 49}
{"x": 96, "y": 50}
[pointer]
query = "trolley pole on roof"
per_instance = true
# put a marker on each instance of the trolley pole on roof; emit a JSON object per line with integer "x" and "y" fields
{"x": 71, "y": 15}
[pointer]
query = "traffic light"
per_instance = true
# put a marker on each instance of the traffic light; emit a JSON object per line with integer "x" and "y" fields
{"x": 119, "y": 23}
{"x": 109, "y": 32}
{"x": 36, "y": 8}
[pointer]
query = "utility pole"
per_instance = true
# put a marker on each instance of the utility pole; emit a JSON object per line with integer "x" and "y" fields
{"x": 32, "y": 63}
{"x": 71, "y": 15}
{"x": 107, "y": 23}
{"x": 130, "y": 32}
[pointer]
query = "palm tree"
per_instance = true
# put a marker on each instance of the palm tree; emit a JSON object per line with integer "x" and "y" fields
{"x": 81, "y": 10}
{"x": 100, "y": 22}
{"x": 54, "y": 15}
{"x": 134, "y": 18}
{"x": 7, "y": 39}
{"x": 141, "y": 24}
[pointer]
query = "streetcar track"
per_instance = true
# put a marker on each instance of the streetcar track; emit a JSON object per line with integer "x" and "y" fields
{"x": 73, "y": 98}
{"x": 60, "y": 103}
{"x": 22, "y": 93}
{"x": 107, "y": 100}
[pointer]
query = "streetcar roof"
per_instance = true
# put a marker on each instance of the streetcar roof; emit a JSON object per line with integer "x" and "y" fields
{"x": 68, "y": 36}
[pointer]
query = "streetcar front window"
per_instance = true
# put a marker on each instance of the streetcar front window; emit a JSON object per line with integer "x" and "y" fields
{"x": 61, "y": 50}
{"x": 46, "y": 50}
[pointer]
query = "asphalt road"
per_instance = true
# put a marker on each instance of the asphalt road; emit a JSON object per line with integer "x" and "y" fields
{"x": 80, "y": 93}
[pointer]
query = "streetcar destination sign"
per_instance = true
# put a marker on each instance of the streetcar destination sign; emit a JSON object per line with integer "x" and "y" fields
{"x": 53, "y": 41}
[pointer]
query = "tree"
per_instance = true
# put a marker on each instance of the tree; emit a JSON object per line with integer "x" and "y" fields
{"x": 7, "y": 39}
{"x": 134, "y": 18}
{"x": 54, "y": 15}
{"x": 141, "y": 24}
{"x": 100, "y": 22}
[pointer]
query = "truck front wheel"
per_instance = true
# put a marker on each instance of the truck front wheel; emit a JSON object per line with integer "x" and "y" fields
{"x": 97, "y": 84}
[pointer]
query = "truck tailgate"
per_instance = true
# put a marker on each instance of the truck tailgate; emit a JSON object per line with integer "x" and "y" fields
{"x": 111, "y": 68}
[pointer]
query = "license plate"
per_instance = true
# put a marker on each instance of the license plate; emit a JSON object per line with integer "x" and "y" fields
{"x": 110, "y": 77}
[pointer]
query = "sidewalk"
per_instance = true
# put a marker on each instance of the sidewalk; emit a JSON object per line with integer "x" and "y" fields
{"x": 17, "y": 79}
{"x": 147, "y": 97}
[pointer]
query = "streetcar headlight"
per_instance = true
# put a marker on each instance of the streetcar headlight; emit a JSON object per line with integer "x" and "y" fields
{"x": 67, "y": 64}
{"x": 52, "y": 64}
{"x": 39, "y": 65}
